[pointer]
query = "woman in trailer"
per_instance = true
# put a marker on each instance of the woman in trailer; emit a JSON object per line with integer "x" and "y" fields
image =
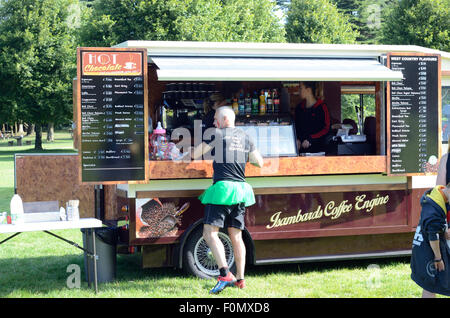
{"x": 312, "y": 120}
{"x": 430, "y": 259}
{"x": 211, "y": 103}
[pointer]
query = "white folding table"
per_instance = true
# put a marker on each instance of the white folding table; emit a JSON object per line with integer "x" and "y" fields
{"x": 85, "y": 223}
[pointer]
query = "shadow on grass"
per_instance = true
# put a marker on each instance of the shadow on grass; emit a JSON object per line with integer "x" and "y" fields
{"x": 324, "y": 266}
{"x": 35, "y": 275}
{"x": 48, "y": 275}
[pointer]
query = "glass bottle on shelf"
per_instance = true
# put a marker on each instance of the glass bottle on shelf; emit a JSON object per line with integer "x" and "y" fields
{"x": 269, "y": 109}
{"x": 248, "y": 104}
{"x": 235, "y": 106}
{"x": 262, "y": 103}
{"x": 255, "y": 103}
{"x": 241, "y": 103}
{"x": 276, "y": 101}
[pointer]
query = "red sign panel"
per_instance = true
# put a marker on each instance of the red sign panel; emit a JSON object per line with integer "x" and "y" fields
{"x": 111, "y": 63}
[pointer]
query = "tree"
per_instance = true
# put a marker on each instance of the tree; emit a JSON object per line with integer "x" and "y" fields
{"x": 37, "y": 58}
{"x": 318, "y": 21}
{"x": 419, "y": 22}
{"x": 114, "y": 21}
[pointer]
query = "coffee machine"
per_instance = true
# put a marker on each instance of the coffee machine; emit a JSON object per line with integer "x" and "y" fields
{"x": 182, "y": 104}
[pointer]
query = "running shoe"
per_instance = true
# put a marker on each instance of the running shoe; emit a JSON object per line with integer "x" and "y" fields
{"x": 223, "y": 282}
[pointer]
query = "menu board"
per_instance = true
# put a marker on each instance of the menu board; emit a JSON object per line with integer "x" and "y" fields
{"x": 112, "y": 114}
{"x": 414, "y": 114}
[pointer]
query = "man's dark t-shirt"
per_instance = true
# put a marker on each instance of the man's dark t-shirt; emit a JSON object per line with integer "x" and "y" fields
{"x": 232, "y": 146}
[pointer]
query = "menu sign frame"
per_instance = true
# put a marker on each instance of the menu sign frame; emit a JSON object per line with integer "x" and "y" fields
{"x": 112, "y": 115}
{"x": 414, "y": 114}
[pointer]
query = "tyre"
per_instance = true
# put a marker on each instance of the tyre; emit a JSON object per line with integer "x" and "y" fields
{"x": 198, "y": 259}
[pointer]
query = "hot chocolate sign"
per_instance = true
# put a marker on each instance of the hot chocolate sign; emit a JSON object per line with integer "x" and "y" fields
{"x": 112, "y": 63}
{"x": 332, "y": 210}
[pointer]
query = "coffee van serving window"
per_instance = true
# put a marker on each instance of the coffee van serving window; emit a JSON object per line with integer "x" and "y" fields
{"x": 264, "y": 92}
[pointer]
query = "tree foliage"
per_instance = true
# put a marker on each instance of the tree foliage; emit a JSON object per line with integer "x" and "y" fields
{"x": 318, "y": 21}
{"x": 114, "y": 21}
{"x": 37, "y": 59}
{"x": 419, "y": 22}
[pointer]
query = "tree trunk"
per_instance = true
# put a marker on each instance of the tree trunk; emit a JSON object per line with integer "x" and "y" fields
{"x": 21, "y": 128}
{"x": 38, "y": 140}
{"x": 51, "y": 132}
{"x": 30, "y": 129}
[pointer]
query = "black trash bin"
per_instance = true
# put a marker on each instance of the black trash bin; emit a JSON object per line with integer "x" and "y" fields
{"x": 105, "y": 245}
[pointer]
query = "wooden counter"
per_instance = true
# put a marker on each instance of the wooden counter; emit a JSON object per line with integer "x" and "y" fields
{"x": 286, "y": 166}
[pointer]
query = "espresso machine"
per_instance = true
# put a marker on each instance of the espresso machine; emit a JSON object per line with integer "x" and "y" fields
{"x": 182, "y": 104}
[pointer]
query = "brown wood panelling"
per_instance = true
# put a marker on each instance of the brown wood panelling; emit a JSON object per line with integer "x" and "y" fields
{"x": 111, "y": 207}
{"x": 287, "y": 166}
{"x": 378, "y": 99}
{"x": 53, "y": 177}
{"x": 154, "y": 256}
{"x": 332, "y": 98}
{"x": 290, "y": 248}
{"x": 262, "y": 234}
{"x": 276, "y": 190}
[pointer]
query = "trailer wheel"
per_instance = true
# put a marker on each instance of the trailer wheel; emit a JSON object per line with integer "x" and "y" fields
{"x": 198, "y": 259}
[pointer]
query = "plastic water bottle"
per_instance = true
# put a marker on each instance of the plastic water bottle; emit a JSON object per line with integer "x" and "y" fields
{"x": 16, "y": 205}
{"x": 158, "y": 143}
{"x": 62, "y": 214}
{"x": 3, "y": 217}
{"x": 72, "y": 211}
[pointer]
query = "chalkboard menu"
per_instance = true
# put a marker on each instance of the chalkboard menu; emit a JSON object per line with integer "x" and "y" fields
{"x": 414, "y": 114}
{"x": 112, "y": 114}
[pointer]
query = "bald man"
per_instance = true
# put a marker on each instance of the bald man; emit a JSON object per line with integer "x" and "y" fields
{"x": 225, "y": 201}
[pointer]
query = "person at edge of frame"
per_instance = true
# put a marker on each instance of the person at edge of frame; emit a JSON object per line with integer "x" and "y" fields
{"x": 312, "y": 120}
{"x": 430, "y": 259}
{"x": 443, "y": 178}
{"x": 227, "y": 198}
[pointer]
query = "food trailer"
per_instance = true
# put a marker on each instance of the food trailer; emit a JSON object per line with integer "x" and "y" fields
{"x": 357, "y": 199}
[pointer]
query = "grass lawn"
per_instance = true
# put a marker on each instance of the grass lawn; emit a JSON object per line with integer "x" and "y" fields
{"x": 35, "y": 265}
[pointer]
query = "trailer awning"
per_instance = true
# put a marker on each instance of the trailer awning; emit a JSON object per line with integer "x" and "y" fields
{"x": 271, "y": 69}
